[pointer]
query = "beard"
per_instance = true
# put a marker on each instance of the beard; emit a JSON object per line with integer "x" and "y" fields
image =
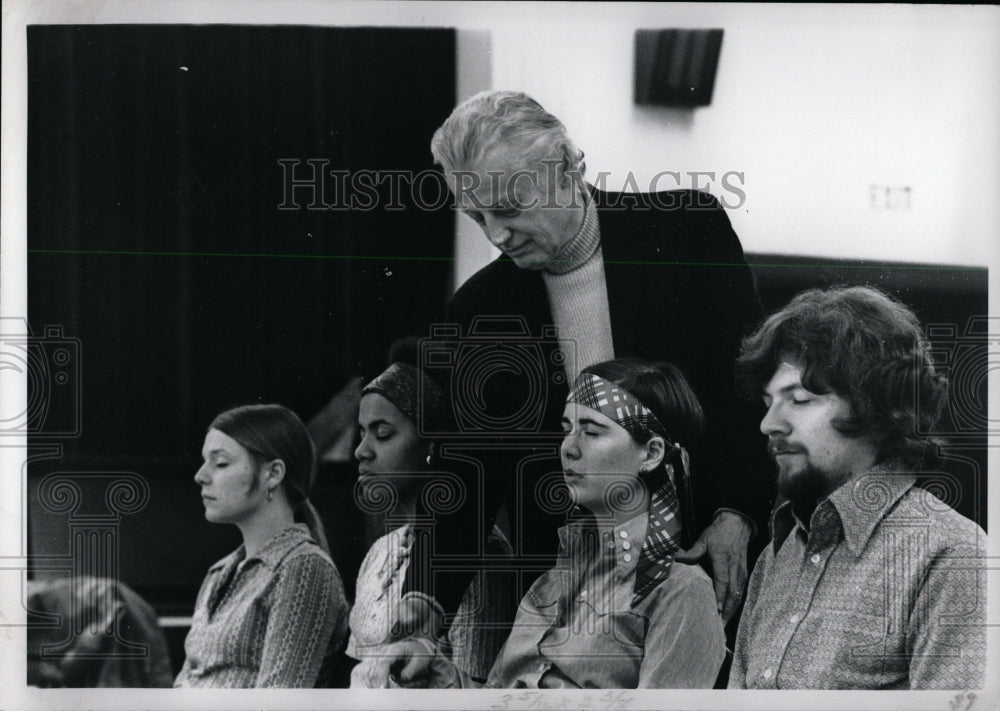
{"x": 806, "y": 486}
{"x": 803, "y": 486}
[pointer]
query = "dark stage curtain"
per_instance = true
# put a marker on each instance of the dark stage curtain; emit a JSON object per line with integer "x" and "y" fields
{"x": 163, "y": 241}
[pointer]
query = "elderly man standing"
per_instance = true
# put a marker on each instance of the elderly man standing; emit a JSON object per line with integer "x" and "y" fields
{"x": 869, "y": 582}
{"x": 659, "y": 275}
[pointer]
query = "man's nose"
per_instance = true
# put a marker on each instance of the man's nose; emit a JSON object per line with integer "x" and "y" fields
{"x": 496, "y": 232}
{"x": 773, "y": 422}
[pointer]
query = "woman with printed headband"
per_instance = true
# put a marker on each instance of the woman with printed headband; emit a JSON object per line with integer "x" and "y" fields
{"x": 617, "y": 611}
{"x": 394, "y": 464}
{"x": 273, "y": 612}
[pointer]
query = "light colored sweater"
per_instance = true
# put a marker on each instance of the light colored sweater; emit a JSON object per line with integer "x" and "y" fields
{"x": 578, "y": 297}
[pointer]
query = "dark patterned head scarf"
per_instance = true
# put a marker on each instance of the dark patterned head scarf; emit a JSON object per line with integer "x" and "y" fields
{"x": 663, "y": 532}
{"x": 404, "y": 385}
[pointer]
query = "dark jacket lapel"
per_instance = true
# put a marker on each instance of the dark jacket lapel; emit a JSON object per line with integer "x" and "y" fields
{"x": 623, "y": 269}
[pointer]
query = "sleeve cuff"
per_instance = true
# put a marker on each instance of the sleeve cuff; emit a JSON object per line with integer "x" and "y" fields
{"x": 433, "y": 604}
{"x": 428, "y": 644}
{"x": 434, "y": 612}
{"x": 753, "y": 526}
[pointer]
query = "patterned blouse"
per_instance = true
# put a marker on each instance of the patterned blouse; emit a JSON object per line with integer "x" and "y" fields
{"x": 481, "y": 623}
{"x": 270, "y": 620}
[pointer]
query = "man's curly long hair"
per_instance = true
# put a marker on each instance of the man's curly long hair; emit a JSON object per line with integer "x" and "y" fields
{"x": 863, "y": 346}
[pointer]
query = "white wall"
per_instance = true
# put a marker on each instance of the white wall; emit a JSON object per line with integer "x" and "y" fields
{"x": 475, "y": 73}
{"x": 814, "y": 105}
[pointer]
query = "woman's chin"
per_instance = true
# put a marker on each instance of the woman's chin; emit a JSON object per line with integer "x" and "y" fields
{"x": 578, "y": 498}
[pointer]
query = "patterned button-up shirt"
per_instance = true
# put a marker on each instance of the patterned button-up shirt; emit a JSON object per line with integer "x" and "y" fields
{"x": 271, "y": 619}
{"x": 885, "y": 590}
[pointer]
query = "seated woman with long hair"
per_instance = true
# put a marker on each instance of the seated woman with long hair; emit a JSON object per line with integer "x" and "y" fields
{"x": 395, "y": 467}
{"x": 617, "y": 611}
{"x": 272, "y": 613}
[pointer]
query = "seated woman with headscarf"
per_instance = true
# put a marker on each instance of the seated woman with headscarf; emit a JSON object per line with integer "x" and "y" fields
{"x": 617, "y": 611}
{"x": 396, "y": 467}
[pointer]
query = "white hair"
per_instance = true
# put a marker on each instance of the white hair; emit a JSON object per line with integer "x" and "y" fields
{"x": 493, "y": 118}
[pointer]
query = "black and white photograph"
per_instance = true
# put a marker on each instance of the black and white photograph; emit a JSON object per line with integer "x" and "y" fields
{"x": 499, "y": 355}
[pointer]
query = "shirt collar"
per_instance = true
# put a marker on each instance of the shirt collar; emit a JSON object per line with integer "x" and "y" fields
{"x": 855, "y": 508}
{"x": 578, "y": 250}
{"x": 865, "y": 500}
{"x": 273, "y": 552}
{"x": 632, "y": 532}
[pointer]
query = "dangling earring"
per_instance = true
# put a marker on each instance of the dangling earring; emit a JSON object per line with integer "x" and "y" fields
{"x": 428, "y": 459}
{"x": 270, "y": 494}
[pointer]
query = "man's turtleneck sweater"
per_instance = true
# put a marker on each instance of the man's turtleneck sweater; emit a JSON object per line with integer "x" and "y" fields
{"x": 578, "y": 296}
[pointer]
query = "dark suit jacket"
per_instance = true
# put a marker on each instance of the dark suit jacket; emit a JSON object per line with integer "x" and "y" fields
{"x": 679, "y": 290}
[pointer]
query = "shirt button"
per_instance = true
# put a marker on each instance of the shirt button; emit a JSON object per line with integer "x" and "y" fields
{"x": 793, "y": 619}
{"x": 626, "y": 545}
{"x": 623, "y": 534}
{"x": 627, "y": 558}
{"x": 815, "y": 559}
{"x": 768, "y": 673}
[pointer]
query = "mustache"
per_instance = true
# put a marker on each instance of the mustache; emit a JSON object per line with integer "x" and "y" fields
{"x": 780, "y": 445}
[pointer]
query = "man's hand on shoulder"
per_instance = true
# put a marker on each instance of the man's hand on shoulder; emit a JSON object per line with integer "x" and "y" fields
{"x": 725, "y": 543}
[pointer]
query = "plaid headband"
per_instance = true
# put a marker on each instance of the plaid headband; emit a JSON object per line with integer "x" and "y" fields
{"x": 403, "y": 385}
{"x": 615, "y": 403}
{"x": 663, "y": 530}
